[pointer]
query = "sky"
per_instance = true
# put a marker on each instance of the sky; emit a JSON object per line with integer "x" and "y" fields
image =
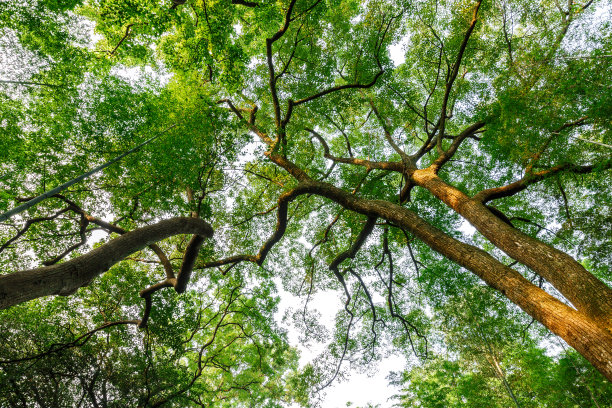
{"x": 359, "y": 388}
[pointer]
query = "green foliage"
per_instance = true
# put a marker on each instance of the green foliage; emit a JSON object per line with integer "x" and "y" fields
{"x": 492, "y": 361}
{"x": 83, "y": 82}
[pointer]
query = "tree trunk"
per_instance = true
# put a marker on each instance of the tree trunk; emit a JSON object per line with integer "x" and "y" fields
{"x": 67, "y": 277}
{"x": 587, "y": 293}
{"x": 578, "y": 330}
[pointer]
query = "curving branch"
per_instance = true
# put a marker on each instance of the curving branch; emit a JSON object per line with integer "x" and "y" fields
{"x": 118, "y": 230}
{"x": 279, "y": 231}
{"x": 368, "y": 164}
{"x": 516, "y": 187}
{"x": 336, "y": 89}
{"x": 67, "y": 277}
{"x": 191, "y": 254}
{"x": 27, "y": 226}
{"x": 352, "y": 251}
{"x": 78, "y": 342}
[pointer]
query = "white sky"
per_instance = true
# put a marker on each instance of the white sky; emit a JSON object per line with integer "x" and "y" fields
{"x": 359, "y": 388}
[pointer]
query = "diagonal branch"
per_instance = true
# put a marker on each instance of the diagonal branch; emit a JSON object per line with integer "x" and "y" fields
{"x": 67, "y": 277}
{"x": 445, "y": 156}
{"x": 516, "y": 187}
{"x": 127, "y": 33}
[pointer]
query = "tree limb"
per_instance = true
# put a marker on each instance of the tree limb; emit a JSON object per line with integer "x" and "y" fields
{"x": 67, "y": 277}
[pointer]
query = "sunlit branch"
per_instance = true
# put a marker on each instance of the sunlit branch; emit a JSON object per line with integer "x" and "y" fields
{"x": 368, "y": 164}
{"x": 453, "y": 75}
{"x": 250, "y": 123}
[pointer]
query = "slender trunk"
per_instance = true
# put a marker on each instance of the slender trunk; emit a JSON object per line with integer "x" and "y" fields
{"x": 577, "y": 329}
{"x": 492, "y": 360}
{"x": 587, "y": 293}
{"x": 67, "y": 277}
{"x": 75, "y": 180}
{"x": 502, "y": 376}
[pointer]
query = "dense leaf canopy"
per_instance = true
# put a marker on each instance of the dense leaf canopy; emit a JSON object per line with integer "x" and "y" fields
{"x": 333, "y": 145}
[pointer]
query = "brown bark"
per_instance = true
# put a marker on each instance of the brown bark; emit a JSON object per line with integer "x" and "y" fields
{"x": 577, "y": 329}
{"x": 67, "y": 277}
{"x": 587, "y": 293}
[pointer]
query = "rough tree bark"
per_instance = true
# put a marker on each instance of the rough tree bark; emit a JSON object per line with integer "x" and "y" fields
{"x": 580, "y": 331}
{"x": 587, "y": 293}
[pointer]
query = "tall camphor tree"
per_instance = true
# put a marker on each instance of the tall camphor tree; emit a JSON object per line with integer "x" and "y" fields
{"x": 293, "y": 122}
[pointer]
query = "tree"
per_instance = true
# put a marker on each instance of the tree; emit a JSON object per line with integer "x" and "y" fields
{"x": 292, "y": 122}
{"x": 491, "y": 359}
{"x": 215, "y": 347}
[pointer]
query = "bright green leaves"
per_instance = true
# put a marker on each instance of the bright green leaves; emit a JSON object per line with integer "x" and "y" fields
{"x": 218, "y": 346}
{"x": 167, "y": 69}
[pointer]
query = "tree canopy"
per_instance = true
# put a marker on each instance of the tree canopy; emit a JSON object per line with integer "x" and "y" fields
{"x": 443, "y": 166}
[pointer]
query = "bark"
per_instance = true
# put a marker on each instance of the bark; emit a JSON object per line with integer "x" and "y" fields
{"x": 67, "y": 277}
{"x": 587, "y": 293}
{"x": 576, "y": 328}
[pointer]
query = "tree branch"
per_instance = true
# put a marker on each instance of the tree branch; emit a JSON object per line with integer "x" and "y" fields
{"x": 67, "y": 277}
{"x": 513, "y": 188}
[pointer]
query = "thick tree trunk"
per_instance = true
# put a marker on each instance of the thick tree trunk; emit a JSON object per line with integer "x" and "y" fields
{"x": 587, "y": 293}
{"x": 577, "y": 329}
{"x": 67, "y": 277}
